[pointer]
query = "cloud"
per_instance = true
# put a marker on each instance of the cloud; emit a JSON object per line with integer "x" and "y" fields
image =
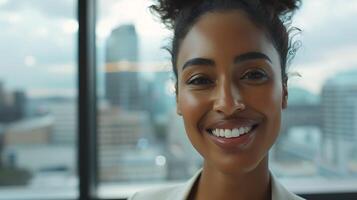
{"x": 64, "y": 69}
{"x": 326, "y": 26}
{"x": 52, "y": 9}
{"x": 43, "y": 33}
{"x": 112, "y": 14}
{"x": 316, "y": 13}
{"x": 314, "y": 74}
{"x": 328, "y": 41}
{"x": 34, "y": 45}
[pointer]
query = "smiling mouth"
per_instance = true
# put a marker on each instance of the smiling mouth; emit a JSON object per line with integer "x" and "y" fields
{"x": 231, "y": 133}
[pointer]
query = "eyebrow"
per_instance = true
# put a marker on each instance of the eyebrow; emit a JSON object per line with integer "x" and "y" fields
{"x": 251, "y": 56}
{"x": 238, "y": 59}
{"x": 198, "y": 61}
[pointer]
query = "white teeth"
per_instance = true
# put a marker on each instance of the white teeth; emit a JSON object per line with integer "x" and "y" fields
{"x": 221, "y": 132}
{"x": 246, "y": 129}
{"x": 241, "y": 130}
{"x": 235, "y": 133}
{"x": 229, "y": 133}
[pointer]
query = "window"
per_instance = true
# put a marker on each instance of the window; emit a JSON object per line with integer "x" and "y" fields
{"x": 139, "y": 140}
{"x": 138, "y": 126}
{"x": 319, "y": 133}
{"x": 38, "y": 108}
{"x": 315, "y": 152}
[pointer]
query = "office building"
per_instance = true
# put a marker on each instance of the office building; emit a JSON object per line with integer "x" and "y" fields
{"x": 122, "y": 83}
{"x": 127, "y": 150}
{"x": 64, "y": 112}
{"x": 12, "y": 105}
{"x": 339, "y": 109}
{"x": 183, "y": 160}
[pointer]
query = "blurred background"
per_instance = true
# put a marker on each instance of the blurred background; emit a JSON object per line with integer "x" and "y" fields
{"x": 141, "y": 140}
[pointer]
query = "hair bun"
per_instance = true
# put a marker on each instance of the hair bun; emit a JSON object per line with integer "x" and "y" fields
{"x": 168, "y": 10}
{"x": 281, "y": 7}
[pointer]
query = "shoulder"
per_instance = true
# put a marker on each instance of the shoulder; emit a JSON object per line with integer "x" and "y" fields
{"x": 279, "y": 192}
{"x": 175, "y": 192}
{"x": 166, "y": 193}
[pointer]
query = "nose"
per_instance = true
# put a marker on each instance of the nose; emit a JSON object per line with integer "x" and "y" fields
{"x": 228, "y": 100}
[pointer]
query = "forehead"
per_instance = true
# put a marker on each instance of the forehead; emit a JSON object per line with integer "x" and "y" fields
{"x": 227, "y": 33}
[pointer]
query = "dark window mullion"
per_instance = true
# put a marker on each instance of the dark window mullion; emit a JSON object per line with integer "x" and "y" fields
{"x": 87, "y": 151}
{"x": 330, "y": 196}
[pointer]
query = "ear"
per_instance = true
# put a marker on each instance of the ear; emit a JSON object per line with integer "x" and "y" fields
{"x": 285, "y": 95}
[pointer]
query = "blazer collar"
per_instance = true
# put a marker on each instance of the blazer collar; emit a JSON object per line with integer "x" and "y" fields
{"x": 279, "y": 192}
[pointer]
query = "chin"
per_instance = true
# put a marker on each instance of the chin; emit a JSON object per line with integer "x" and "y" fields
{"x": 236, "y": 165}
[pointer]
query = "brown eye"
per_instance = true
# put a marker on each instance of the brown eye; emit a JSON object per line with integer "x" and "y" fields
{"x": 200, "y": 80}
{"x": 255, "y": 75}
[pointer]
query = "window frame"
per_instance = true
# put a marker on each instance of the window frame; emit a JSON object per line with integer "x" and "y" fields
{"x": 87, "y": 150}
{"x": 87, "y": 165}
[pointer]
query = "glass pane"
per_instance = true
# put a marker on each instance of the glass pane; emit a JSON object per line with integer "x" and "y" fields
{"x": 317, "y": 144}
{"x": 141, "y": 139}
{"x": 142, "y": 142}
{"x": 38, "y": 92}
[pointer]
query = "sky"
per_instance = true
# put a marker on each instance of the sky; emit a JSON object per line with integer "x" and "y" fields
{"x": 38, "y": 41}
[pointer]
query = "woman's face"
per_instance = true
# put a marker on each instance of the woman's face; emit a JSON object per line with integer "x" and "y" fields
{"x": 230, "y": 84}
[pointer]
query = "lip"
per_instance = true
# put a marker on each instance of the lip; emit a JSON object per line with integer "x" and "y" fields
{"x": 234, "y": 143}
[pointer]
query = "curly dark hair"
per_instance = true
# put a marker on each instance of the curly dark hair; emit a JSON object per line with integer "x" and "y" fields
{"x": 273, "y": 16}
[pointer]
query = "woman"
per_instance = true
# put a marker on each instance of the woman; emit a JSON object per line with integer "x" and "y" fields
{"x": 229, "y": 58}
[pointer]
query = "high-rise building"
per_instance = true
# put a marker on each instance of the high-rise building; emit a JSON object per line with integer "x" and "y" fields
{"x": 339, "y": 110}
{"x": 63, "y": 110}
{"x": 19, "y": 104}
{"x": 2, "y": 95}
{"x": 2, "y": 130}
{"x": 296, "y": 151}
{"x": 123, "y": 90}
{"x": 12, "y": 105}
{"x": 122, "y": 45}
{"x": 34, "y": 131}
{"x": 137, "y": 100}
{"x": 126, "y": 150}
{"x": 122, "y": 83}
{"x": 161, "y": 96}
{"x": 64, "y": 113}
{"x": 123, "y": 129}
{"x": 27, "y": 145}
{"x": 183, "y": 160}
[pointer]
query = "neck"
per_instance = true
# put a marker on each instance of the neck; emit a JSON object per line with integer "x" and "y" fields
{"x": 214, "y": 184}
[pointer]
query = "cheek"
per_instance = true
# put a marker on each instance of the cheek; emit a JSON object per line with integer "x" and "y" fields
{"x": 273, "y": 114}
{"x": 268, "y": 101}
{"x": 275, "y": 102}
{"x": 265, "y": 99}
{"x": 192, "y": 107}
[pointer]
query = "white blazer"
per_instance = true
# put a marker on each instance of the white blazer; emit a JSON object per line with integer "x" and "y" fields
{"x": 181, "y": 191}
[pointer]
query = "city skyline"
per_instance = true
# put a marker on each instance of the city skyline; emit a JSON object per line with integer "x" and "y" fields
{"x": 140, "y": 137}
{"x": 302, "y": 138}
{"x": 49, "y": 27}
